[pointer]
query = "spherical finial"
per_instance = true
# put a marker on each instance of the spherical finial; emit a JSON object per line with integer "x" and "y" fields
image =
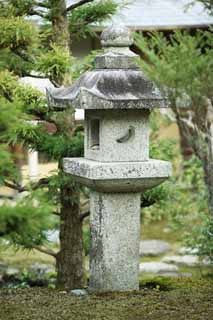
{"x": 116, "y": 36}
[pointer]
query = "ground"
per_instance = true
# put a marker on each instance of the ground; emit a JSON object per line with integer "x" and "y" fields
{"x": 182, "y": 299}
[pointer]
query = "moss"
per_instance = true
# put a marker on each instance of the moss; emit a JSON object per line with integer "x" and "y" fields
{"x": 181, "y": 299}
{"x": 158, "y": 283}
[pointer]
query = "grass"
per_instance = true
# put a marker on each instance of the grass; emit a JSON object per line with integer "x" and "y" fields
{"x": 168, "y": 299}
{"x": 22, "y": 258}
{"x": 154, "y": 230}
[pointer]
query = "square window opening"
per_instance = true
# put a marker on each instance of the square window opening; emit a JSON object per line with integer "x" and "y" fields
{"x": 94, "y": 134}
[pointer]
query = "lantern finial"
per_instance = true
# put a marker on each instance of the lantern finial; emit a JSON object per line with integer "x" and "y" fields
{"x": 116, "y": 36}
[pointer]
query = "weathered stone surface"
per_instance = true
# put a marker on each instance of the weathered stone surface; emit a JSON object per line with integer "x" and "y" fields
{"x": 116, "y": 36}
{"x": 116, "y": 83}
{"x": 115, "y": 239}
{"x": 157, "y": 267}
{"x": 118, "y": 176}
{"x": 153, "y": 247}
{"x": 112, "y": 126}
{"x": 116, "y": 60}
{"x": 109, "y": 89}
{"x": 188, "y": 260}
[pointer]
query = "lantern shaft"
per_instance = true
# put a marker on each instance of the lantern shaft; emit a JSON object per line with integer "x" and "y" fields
{"x": 115, "y": 240}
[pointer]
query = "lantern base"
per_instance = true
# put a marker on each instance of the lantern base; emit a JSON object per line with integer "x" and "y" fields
{"x": 118, "y": 176}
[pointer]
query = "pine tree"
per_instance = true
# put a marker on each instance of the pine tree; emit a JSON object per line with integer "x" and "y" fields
{"x": 44, "y": 51}
{"x": 182, "y": 67}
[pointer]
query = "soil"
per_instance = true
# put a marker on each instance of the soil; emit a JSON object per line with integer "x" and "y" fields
{"x": 159, "y": 299}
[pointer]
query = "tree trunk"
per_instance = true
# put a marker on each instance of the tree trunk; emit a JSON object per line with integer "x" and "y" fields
{"x": 185, "y": 132}
{"x": 69, "y": 261}
{"x": 208, "y": 165}
{"x": 208, "y": 168}
{"x": 60, "y": 28}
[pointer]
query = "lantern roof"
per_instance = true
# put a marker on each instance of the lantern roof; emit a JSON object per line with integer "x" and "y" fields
{"x": 115, "y": 83}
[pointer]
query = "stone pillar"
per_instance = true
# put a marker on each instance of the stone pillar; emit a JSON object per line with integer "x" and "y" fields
{"x": 115, "y": 239}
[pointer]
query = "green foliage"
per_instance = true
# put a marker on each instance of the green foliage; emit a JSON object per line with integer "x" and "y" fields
{"x": 55, "y": 63}
{"x": 8, "y": 169}
{"x": 55, "y": 146}
{"x": 82, "y": 17}
{"x": 163, "y": 149}
{"x": 182, "y": 199}
{"x": 201, "y": 237}
{"x": 18, "y": 40}
{"x": 178, "y": 65}
{"x": 32, "y": 102}
{"x": 17, "y": 7}
{"x": 8, "y": 83}
{"x": 25, "y": 223}
{"x": 15, "y": 32}
{"x": 24, "y": 50}
{"x": 80, "y": 66}
{"x": 182, "y": 67}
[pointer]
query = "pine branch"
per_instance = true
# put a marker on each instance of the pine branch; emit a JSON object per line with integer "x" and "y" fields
{"x": 77, "y": 4}
{"x": 42, "y": 5}
{"x": 54, "y": 83}
{"x": 7, "y": 95}
{"x": 56, "y": 213}
{"x": 41, "y": 183}
{"x": 14, "y": 186}
{"x": 46, "y": 251}
{"x": 22, "y": 55}
{"x": 26, "y": 74}
{"x": 39, "y": 13}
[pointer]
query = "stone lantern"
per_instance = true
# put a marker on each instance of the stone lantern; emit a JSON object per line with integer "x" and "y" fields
{"x": 117, "y": 98}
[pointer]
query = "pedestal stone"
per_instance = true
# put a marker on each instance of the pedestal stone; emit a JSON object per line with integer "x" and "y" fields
{"x": 115, "y": 240}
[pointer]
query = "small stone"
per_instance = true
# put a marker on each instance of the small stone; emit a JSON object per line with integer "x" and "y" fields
{"x": 12, "y": 272}
{"x": 188, "y": 260}
{"x": 40, "y": 269}
{"x": 167, "y": 230}
{"x": 153, "y": 247}
{"x": 207, "y": 262}
{"x": 169, "y": 274}
{"x": 157, "y": 267}
{"x": 79, "y": 292}
{"x": 185, "y": 275}
{"x": 185, "y": 251}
